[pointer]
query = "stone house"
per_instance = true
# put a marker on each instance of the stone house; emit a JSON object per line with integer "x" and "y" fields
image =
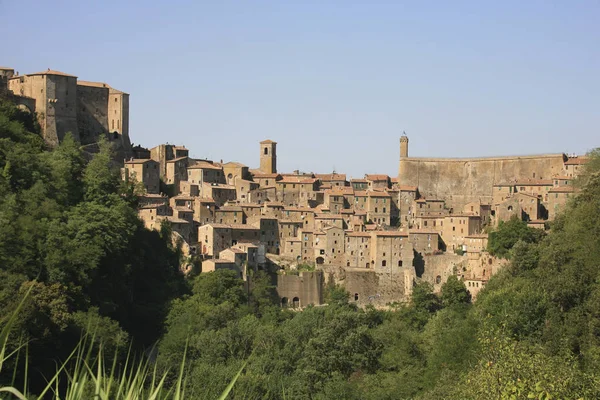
{"x": 378, "y": 208}
{"x": 144, "y": 171}
{"x": 358, "y": 253}
{"x": 424, "y": 241}
{"x": 377, "y": 182}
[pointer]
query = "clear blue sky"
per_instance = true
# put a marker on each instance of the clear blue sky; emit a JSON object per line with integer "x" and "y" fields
{"x": 333, "y": 82}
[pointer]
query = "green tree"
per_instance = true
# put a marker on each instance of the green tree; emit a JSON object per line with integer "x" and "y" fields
{"x": 508, "y": 233}
{"x": 454, "y": 292}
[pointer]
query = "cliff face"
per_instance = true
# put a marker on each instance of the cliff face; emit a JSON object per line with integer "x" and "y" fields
{"x": 460, "y": 181}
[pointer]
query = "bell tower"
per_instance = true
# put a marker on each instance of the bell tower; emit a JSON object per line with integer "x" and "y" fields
{"x": 268, "y": 157}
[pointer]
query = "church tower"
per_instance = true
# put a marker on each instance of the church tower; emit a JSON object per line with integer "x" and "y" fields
{"x": 268, "y": 157}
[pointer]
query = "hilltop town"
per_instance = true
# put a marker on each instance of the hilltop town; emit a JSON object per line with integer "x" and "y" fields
{"x": 376, "y": 236}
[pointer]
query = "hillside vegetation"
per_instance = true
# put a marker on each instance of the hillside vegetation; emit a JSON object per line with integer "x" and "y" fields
{"x": 70, "y": 237}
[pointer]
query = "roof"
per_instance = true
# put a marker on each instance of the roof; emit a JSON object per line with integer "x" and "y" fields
{"x": 268, "y": 141}
{"x": 183, "y": 197}
{"x": 331, "y": 177}
{"x": 150, "y": 206}
{"x": 564, "y": 189}
{"x": 183, "y": 208}
{"x": 423, "y": 231}
{"x": 390, "y": 233}
{"x": 372, "y": 193}
{"x": 140, "y": 161}
{"x": 576, "y": 161}
{"x": 328, "y": 216}
{"x": 219, "y": 261}
{"x": 92, "y": 84}
{"x": 243, "y": 227}
{"x": 360, "y": 193}
{"x": 376, "y": 177}
{"x": 358, "y": 234}
{"x": 216, "y": 226}
{"x": 235, "y": 164}
{"x": 264, "y": 176}
{"x": 534, "y": 182}
{"x": 52, "y": 72}
{"x": 300, "y": 180}
{"x": 229, "y": 208}
{"x": 359, "y": 180}
{"x": 206, "y": 200}
{"x": 177, "y": 159}
{"x": 562, "y": 177}
{"x": 233, "y": 249}
{"x": 176, "y": 220}
{"x": 203, "y": 165}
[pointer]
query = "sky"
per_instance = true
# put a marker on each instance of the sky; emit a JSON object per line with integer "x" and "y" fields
{"x": 334, "y": 83}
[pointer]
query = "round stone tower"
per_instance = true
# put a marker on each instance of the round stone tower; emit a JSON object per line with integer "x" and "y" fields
{"x": 403, "y": 146}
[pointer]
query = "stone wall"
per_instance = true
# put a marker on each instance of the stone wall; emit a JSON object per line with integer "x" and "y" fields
{"x": 460, "y": 181}
{"x": 92, "y": 112}
{"x": 307, "y": 288}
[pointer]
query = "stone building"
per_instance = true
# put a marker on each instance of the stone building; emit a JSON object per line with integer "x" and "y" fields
{"x": 88, "y": 110}
{"x": 144, "y": 171}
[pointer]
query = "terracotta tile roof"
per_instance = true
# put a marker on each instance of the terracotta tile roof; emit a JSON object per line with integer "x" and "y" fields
{"x": 347, "y": 211}
{"x": 534, "y": 182}
{"x": 274, "y": 204}
{"x": 299, "y": 209}
{"x": 243, "y": 227}
{"x": 235, "y": 164}
{"x": 360, "y": 193}
{"x": 359, "y": 180}
{"x": 150, "y": 206}
{"x": 235, "y": 250}
{"x": 373, "y": 193}
{"x": 331, "y": 177}
{"x": 216, "y": 226}
{"x": 299, "y": 179}
{"x": 177, "y": 159}
{"x": 250, "y": 205}
{"x": 268, "y": 141}
{"x": 260, "y": 175}
{"x": 92, "y": 84}
{"x": 183, "y": 209}
{"x": 358, "y": 234}
{"x": 394, "y": 179}
{"x": 206, "y": 200}
{"x": 139, "y": 161}
{"x": 328, "y": 216}
{"x": 564, "y": 189}
{"x": 230, "y": 209}
{"x": 577, "y": 161}
{"x": 340, "y": 190}
{"x": 52, "y": 72}
{"x": 204, "y": 165}
{"x": 390, "y": 233}
{"x": 176, "y": 220}
{"x": 377, "y": 177}
{"x": 423, "y": 231}
{"x": 562, "y": 177}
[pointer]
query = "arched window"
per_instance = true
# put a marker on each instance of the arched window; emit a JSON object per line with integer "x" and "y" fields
{"x": 296, "y": 302}
{"x": 438, "y": 279}
{"x": 284, "y": 302}
{"x": 266, "y": 150}
{"x": 355, "y": 296}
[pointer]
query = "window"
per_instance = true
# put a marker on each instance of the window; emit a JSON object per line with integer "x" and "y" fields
{"x": 266, "y": 151}
{"x": 383, "y": 263}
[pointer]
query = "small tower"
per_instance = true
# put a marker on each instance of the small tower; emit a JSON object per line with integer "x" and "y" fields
{"x": 268, "y": 157}
{"x": 403, "y": 145}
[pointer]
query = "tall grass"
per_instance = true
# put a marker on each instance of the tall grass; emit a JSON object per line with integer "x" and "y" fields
{"x": 86, "y": 375}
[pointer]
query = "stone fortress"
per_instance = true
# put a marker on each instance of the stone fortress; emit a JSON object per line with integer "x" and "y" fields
{"x": 376, "y": 235}
{"x": 63, "y": 104}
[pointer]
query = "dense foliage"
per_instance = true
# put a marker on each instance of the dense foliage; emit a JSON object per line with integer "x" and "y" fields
{"x": 69, "y": 228}
{"x": 70, "y": 237}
